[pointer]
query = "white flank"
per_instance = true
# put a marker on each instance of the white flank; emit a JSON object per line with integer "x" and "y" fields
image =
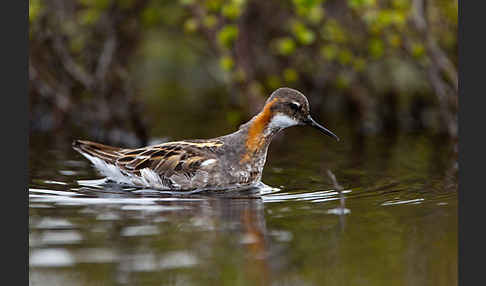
{"x": 282, "y": 121}
{"x": 150, "y": 178}
{"x": 208, "y": 162}
{"x": 147, "y": 177}
{"x": 108, "y": 170}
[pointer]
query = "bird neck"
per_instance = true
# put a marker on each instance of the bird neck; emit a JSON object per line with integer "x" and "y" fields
{"x": 259, "y": 133}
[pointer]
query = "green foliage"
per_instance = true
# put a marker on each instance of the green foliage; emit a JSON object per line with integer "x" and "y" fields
{"x": 285, "y": 46}
{"x": 239, "y": 75}
{"x": 186, "y": 2}
{"x": 343, "y": 81}
{"x": 376, "y": 48}
{"x": 304, "y": 35}
{"x": 273, "y": 82}
{"x": 77, "y": 43}
{"x": 356, "y": 4}
{"x": 226, "y": 63}
{"x": 126, "y": 4}
{"x": 329, "y": 52}
{"x": 315, "y": 14}
{"x": 359, "y": 64}
{"x": 309, "y": 10}
{"x": 290, "y": 75}
{"x": 261, "y": 45}
{"x": 401, "y": 4}
{"x": 89, "y": 16}
{"x": 418, "y": 50}
{"x": 98, "y": 4}
{"x": 209, "y": 21}
{"x": 213, "y": 5}
{"x": 190, "y": 25}
{"x": 333, "y": 32}
{"x": 394, "y": 40}
{"x": 232, "y": 10}
{"x": 35, "y": 8}
{"x": 345, "y": 56}
{"x": 227, "y": 35}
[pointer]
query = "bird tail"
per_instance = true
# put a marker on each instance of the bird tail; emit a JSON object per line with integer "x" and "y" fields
{"x": 108, "y": 154}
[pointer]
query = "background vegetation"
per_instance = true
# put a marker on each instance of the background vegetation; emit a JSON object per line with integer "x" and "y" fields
{"x": 109, "y": 66}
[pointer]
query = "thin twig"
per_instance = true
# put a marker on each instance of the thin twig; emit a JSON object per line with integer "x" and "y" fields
{"x": 338, "y": 187}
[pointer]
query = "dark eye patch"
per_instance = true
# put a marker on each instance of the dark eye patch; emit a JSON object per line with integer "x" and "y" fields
{"x": 294, "y": 106}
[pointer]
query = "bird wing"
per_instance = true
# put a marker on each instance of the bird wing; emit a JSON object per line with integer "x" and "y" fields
{"x": 167, "y": 159}
{"x": 184, "y": 157}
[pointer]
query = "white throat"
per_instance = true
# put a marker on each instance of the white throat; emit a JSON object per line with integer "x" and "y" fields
{"x": 281, "y": 120}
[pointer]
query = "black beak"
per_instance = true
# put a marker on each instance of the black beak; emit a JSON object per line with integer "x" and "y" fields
{"x": 311, "y": 122}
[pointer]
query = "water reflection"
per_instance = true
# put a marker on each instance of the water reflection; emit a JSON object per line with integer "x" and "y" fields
{"x": 400, "y": 227}
{"x": 204, "y": 223}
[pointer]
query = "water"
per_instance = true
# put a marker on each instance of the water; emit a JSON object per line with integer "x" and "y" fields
{"x": 394, "y": 223}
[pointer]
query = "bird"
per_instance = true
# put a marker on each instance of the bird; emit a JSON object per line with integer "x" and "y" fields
{"x": 227, "y": 162}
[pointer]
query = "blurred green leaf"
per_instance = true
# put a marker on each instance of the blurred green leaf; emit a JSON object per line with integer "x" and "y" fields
{"x": 401, "y": 4}
{"x": 290, "y": 75}
{"x": 315, "y": 14}
{"x": 96, "y": 4}
{"x": 213, "y": 5}
{"x": 35, "y": 7}
{"x": 89, "y": 16}
{"x": 345, "y": 56}
{"x": 126, "y": 4}
{"x": 307, "y": 3}
{"x": 226, "y": 63}
{"x": 239, "y": 75}
{"x": 77, "y": 43}
{"x": 361, "y": 3}
{"x": 285, "y": 46}
{"x": 359, "y": 64}
{"x": 227, "y": 35}
{"x": 304, "y": 35}
{"x": 333, "y": 32}
{"x": 186, "y": 2}
{"x": 329, "y": 52}
{"x": 394, "y": 40}
{"x": 418, "y": 50}
{"x": 376, "y": 48}
{"x": 150, "y": 16}
{"x": 190, "y": 25}
{"x": 343, "y": 81}
{"x": 210, "y": 21}
{"x": 273, "y": 82}
{"x": 231, "y": 11}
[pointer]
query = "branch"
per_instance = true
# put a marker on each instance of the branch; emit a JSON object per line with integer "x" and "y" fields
{"x": 106, "y": 57}
{"x": 73, "y": 69}
{"x": 437, "y": 55}
{"x": 61, "y": 101}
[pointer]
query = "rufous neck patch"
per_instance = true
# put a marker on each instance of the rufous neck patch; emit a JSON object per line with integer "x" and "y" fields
{"x": 255, "y": 138}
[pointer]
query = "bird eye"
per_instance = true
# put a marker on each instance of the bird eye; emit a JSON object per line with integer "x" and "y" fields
{"x": 294, "y": 106}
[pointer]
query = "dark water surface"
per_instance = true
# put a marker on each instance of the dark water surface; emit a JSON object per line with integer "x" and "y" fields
{"x": 398, "y": 227}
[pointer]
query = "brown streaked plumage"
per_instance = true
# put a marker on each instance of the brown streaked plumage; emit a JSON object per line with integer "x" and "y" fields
{"x": 226, "y": 162}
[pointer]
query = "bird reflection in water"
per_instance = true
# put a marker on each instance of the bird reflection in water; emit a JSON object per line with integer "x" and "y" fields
{"x": 221, "y": 237}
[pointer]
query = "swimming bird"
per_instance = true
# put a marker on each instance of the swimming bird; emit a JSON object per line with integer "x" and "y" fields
{"x": 231, "y": 161}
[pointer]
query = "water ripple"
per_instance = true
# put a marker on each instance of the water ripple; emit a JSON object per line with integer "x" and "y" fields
{"x": 315, "y": 197}
{"x": 72, "y": 198}
{"x": 398, "y": 202}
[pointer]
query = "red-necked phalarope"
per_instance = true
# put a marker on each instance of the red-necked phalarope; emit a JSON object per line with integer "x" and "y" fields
{"x": 232, "y": 161}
